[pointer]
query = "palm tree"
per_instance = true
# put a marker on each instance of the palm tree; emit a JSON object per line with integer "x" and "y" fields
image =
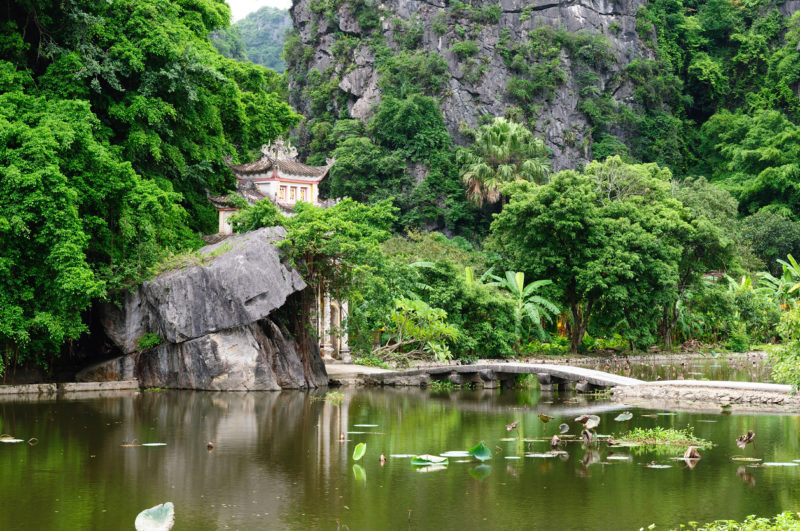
{"x": 527, "y": 303}
{"x": 503, "y": 152}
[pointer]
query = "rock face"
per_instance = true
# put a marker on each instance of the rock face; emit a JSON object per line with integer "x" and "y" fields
{"x": 226, "y": 321}
{"x": 477, "y": 81}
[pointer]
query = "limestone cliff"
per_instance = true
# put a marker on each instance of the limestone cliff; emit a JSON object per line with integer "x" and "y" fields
{"x": 226, "y": 320}
{"x": 553, "y": 64}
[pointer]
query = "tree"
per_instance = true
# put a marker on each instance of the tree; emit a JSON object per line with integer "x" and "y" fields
{"x": 503, "y": 152}
{"x": 527, "y": 304}
{"x": 608, "y": 238}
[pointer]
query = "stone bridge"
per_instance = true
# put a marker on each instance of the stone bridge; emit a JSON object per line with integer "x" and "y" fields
{"x": 492, "y": 375}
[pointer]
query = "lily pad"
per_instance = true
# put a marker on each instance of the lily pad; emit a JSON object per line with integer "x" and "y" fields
{"x": 359, "y": 451}
{"x": 541, "y": 455}
{"x": 513, "y": 457}
{"x": 666, "y": 414}
{"x": 624, "y": 416}
{"x": 780, "y": 464}
{"x": 10, "y": 440}
{"x": 365, "y": 425}
{"x": 706, "y": 420}
{"x": 619, "y": 458}
{"x": 402, "y": 456}
{"x": 589, "y": 421}
{"x": 455, "y": 453}
{"x": 480, "y": 452}
{"x": 154, "y": 444}
{"x": 158, "y": 518}
{"x": 427, "y": 460}
{"x": 746, "y": 459}
{"x": 509, "y": 439}
{"x": 656, "y": 465}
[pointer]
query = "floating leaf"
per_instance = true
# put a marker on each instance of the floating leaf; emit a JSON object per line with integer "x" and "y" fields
{"x": 427, "y": 459}
{"x": 780, "y": 464}
{"x": 666, "y": 414}
{"x": 654, "y": 465}
{"x": 359, "y": 451}
{"x": 541, "y": 455}
{"x": 619, "y": 457}
{"x": 480, "y": 472}
{"x": 158, "y": 518}
{"x": 563, "y": 428}
{"x": 154, "y": 444}
{"x": 624, "y": 416}
{"x": 513, "y": 457}
{"x": 589, "y": 421}
{"x": 402, "y": 456}
{"x": 480, "y": 452}
{"x": 10, "y": 440}
{"x": 545, "y": 418}
{"x": 365, "y": 425}
{"x": 455, "y": 453}
{"x": 359, "y": 473}
{"x": 747, "y": 459}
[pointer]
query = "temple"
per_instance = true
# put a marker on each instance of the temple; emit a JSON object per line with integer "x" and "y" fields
{"x": 282, "y": 179}
{"x": 278, "y": 176}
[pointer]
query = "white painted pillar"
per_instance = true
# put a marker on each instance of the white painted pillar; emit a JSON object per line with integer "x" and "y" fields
{"x": 326, "y": 348}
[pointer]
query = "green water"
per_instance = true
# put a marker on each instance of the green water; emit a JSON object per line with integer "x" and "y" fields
{"x": 278, "y": 463}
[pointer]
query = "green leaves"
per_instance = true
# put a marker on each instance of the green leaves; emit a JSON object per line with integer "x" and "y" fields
{"x": 480, "y": 452}
{"x": 359, "y": 451}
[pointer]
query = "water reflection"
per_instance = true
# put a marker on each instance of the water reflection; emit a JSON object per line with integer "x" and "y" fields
{"x": 279, "y": 462}
{"x": 731, "y": 367}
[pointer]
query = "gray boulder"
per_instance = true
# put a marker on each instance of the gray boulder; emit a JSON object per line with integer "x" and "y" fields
{"x": 227, "y": 317}
{"x": 232, "y": 283}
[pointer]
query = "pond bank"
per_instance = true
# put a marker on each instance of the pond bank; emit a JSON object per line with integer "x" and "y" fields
{"x": 703, "y": 395}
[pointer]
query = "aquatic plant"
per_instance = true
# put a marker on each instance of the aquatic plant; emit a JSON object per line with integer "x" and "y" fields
{"x": 786, "y": 521}
{"x": 659, "y": 436}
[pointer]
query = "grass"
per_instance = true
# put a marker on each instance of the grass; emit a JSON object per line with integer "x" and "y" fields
{"x": 786, "y": 521}
{"x": 663, "y": 437}
{"x": 188, "y": 259}
{"x": 372, "y": 361}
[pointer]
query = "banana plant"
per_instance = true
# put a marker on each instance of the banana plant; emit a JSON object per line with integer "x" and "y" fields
{"x": 527, "y": 303}
{"x": 793, "y": 269}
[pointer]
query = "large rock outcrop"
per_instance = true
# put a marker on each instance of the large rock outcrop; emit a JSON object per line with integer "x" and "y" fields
{"x": 480, "y": 42}
{"x": 227, "y": 319}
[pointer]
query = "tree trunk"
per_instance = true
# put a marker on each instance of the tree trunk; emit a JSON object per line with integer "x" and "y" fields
{"x": 670, "y": 321}
{"x": 579, "y": 325}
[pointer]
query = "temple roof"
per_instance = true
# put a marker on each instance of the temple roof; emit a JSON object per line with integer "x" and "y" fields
{"x": 246, "y": 190}
{"x": 281, "y": 156}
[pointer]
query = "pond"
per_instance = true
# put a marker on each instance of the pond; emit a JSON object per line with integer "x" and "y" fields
{"x": 730, "y": 367}
{"x": 278, "y": 463}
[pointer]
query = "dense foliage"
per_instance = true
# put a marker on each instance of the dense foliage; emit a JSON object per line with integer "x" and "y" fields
{"x": 258, "y": 38}
{"x": 114, "y": 119}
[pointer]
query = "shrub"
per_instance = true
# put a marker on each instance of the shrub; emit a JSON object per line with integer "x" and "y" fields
{"x": 149, "y": 340}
